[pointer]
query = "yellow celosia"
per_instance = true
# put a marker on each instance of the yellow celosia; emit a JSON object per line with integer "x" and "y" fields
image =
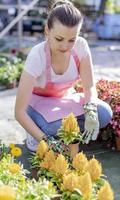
{"x": 14, "y": 168}
{"x": 95, "y": 169}
{"x": 61, "y": 165}
{"x": 49, "y": 160}
{"x": 85, "y": 185}
{"x": 105, "y": 192}
{"x": 16, "y": 151}
{"x": 70, "y": 182}
{"x": 11, "y": 145}
{"x": 50, "y": 185}
{"x": 80, "y": 162}
{"x": 70, "y": 124}
{"x": 42, "y": 149}
{"x": 7, "y": 193}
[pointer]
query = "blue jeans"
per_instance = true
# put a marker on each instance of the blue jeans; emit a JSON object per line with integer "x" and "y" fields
{"x": 104, "y": 116}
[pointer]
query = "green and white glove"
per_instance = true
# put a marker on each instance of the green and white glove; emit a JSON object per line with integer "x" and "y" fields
{"x": 91, "y": 123}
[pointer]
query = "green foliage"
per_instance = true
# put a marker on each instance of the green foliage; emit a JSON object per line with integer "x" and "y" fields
{"x": 67, "y": 195}
{"x": 10, "y": 69}
{"x": 68, "y": 138}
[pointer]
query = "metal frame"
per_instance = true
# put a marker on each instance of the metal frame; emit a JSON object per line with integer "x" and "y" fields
{"x": 22, "y": 10}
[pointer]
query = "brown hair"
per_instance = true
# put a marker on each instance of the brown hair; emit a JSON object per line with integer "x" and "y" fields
{"x": 66, "y": 13}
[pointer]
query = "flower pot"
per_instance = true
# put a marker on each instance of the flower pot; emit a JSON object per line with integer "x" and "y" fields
{"x": 74, "y": 149}
{"x": 34, "y": 173}
{"x": 117, "y": 140}
{"x": 12, "y": 84}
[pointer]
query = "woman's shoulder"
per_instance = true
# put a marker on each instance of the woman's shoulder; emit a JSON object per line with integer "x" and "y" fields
{"x": 81, "y": 47}
{"x": 81, "y": 41}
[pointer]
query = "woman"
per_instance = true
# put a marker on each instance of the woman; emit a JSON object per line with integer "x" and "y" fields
{"x": 52, "y": 67}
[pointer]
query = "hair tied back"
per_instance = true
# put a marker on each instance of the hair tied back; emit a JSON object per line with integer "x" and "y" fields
{"x": 62, "y": 2}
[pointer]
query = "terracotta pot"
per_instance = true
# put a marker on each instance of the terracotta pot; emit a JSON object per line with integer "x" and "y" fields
{"x": 74, "y": 149}
{"x": 117, "y": 139}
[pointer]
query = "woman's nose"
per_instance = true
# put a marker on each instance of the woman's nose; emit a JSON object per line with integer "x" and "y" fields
{"x": 65, "y": 47}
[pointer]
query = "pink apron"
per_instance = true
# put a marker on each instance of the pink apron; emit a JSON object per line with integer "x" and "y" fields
{"x": 53, "y": 101}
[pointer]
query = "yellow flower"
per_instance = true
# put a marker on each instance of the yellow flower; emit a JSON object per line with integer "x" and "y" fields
{"x": 11, "y": 145}
{"x": 85, "y": 185}
{"x": 70, "y": 182}
{"x": 7, "y": 193}
{"x": 80, "y": 162}
{"x": 105, "y": 192}
{"x": 42, "y": 149}
{"x": 70, "y": 124}
{"x": 61, "y": 165}
{"x": 95, "y": 169}
{"x": 16, "y": 151}
{"x": 50, "y": 185}
{"x": 14, "y": 168}
{"x": 49, "y": 160}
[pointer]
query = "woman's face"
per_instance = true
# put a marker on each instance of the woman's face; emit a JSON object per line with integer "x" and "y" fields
{"x": 61, "y": 38}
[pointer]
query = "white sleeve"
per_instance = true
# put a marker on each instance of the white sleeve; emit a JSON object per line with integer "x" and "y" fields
{"x": 82, "y": 49}
{"x": 33, "y": 63}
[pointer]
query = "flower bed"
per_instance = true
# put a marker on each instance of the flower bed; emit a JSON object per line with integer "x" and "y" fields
{"x": 14, "y": 185}
{"x": 109, "y": 91}
{"x": 74, "y": 178}
{"x": 59, "y": 177}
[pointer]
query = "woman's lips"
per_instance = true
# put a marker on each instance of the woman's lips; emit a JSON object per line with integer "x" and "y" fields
{"x": 63, "y": 51}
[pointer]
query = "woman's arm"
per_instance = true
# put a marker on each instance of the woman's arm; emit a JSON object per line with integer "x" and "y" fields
{"x": 87, "y": 78}
{"x": 25, "y": 88}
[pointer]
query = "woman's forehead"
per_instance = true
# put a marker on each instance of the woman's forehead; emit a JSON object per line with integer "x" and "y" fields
{"x": 62, "y": 30}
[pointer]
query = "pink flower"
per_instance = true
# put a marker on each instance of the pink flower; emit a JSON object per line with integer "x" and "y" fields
{"x": 118, "y": 132}
{"x": 117, "y": 108}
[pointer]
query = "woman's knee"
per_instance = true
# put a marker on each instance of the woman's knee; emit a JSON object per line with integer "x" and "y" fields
{"x": 36, "y": 117}
{"x": 48, "y": 128}
{"x": 104, "y": 113}
{"x": 52, "y": 128}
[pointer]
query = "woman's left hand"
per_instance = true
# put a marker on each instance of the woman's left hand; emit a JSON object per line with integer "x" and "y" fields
{"x": 91, "y": 123}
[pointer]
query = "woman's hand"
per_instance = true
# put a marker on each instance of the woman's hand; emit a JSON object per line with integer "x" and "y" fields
{"x": 91, "y": 123}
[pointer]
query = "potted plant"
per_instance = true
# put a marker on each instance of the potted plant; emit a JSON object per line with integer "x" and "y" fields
{"x": 8, "y": 75}
{"x": 69, "y": 133}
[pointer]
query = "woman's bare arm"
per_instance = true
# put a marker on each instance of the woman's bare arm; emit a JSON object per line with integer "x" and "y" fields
{"x": 88, "y": 81}
{"x": 25, "y": 88}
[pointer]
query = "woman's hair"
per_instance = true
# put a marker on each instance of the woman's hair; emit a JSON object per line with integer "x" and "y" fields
{"x": 66, "y": 13}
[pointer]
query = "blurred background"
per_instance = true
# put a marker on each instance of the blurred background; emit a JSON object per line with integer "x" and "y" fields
{"x": 22, "y": 26}
{"x": 20, "y": 19}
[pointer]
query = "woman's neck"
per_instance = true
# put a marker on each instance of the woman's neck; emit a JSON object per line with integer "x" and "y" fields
{"x": 60, "y": 62}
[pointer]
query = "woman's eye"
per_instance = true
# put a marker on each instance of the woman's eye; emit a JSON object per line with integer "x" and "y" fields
{"x": 59, "y": 40}
{"x": 71, "y": 41}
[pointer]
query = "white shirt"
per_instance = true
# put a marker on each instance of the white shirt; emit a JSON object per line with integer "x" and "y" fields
{"x": 36, "y": 62}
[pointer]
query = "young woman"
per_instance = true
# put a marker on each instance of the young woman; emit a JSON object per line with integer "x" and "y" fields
{"x": 45, "y": 93}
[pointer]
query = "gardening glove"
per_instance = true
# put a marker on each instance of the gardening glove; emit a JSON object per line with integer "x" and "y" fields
{"x": 56, "y": 145}
{"x": 91, "y": 123}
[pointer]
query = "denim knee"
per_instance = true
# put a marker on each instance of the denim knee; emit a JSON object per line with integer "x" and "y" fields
{"x": 104, "y": 113}
{"x": 48, "y": 128}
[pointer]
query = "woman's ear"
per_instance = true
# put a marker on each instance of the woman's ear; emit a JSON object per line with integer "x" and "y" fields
{"x": 46, "y": 30}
